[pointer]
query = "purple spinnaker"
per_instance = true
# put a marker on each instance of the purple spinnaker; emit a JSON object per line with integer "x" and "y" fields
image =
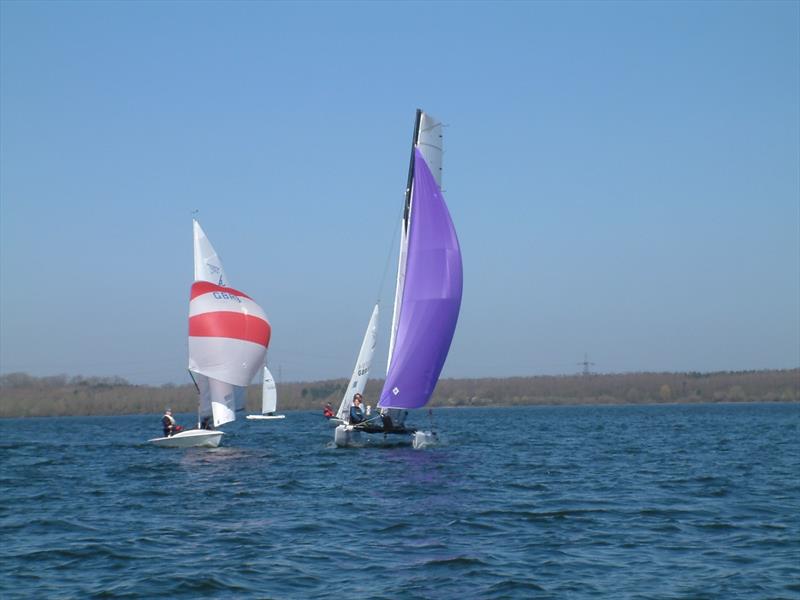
{"x": 431, "y": 297}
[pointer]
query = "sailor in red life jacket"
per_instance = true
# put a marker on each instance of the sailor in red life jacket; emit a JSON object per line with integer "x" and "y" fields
{"x": 327, "y": 412}
{"x": 168, "y": 422}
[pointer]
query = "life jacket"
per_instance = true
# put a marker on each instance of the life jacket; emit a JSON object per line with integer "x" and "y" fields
{"x": 356, "y": 414}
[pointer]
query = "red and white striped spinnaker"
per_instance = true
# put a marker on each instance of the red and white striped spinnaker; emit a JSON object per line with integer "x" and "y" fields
{"x": 228, "y": 339}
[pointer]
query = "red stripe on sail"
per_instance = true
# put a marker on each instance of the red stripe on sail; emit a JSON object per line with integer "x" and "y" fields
{"x": 233, "y": 325}
{"x": 205, "y": 287}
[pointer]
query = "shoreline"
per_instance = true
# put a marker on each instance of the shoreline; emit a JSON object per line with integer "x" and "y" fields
{"x": 22, "y": 395}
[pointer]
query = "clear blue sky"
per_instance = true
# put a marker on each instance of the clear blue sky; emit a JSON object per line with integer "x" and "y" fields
{"x": 624, "y": 179}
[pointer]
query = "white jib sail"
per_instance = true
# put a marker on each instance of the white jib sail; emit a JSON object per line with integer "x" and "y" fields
{"x": 207, "y": 265}
{"x": 269, "y": 395}
{"x": 363, "y": 363}
{"x": 221, "y": 397}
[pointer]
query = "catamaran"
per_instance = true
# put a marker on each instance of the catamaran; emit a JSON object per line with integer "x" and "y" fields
{"x": 228, "y": 339}
{"x": 269, "y": 399}
{"x": 427, "y": 297}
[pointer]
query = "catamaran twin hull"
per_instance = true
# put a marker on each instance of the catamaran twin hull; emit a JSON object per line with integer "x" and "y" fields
{"x": 353, "y": 436}
{"x": 193, "y": 438}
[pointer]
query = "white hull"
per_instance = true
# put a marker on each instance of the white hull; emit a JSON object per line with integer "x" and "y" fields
{"x": 264, "y": 417}
{"x": 193, "y": 438}
{"x": 423, "y": 439}
{"x": 345, "y": 436}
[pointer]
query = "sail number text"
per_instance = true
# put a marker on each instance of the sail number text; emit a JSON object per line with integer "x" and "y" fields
{"x": 226, "y": 296}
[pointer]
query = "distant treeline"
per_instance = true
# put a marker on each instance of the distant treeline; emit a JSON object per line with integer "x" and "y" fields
{"x": 22, "y": 395}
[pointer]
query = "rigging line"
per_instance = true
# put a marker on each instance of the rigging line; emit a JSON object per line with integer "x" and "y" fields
{"x": 389, "y": 253}
{"x": 194, "y": 381}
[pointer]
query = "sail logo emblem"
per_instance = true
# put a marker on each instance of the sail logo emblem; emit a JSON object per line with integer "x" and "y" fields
{"x": 396, "y": 391}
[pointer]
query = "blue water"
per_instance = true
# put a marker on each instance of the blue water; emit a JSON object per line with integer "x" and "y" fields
{"x": 570, "y": 502}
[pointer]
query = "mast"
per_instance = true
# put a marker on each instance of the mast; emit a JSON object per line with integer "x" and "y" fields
{"x": 401, "y": 263}
{"x": 410, "y": 181}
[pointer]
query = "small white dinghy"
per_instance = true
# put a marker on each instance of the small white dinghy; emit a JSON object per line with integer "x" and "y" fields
{"x": 191, "y": 438}
{"x": 269, "y": 400}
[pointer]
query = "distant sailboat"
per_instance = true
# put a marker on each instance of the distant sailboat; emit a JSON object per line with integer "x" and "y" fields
{"x": 228, "y": 338}
{"x": 269, "y": 399}
{"x": 427, "y": 294}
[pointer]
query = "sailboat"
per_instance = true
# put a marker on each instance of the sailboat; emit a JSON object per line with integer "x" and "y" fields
{"x": 358, "y": 380}
{"x": 427, "y": 295}
{"x": 228, "y": 339}
{"x": 269, "y": 399}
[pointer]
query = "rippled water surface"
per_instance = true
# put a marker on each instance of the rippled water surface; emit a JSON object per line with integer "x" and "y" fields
{"x": 573, "y": 502}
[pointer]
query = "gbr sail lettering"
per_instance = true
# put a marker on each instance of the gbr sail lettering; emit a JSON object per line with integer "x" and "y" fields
{"x": 226, "y": 296}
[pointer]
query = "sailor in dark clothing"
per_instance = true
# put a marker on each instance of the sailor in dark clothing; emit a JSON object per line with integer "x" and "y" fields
{"x": 386, "y": 419}
{"x": 356, "y": 412}
{"x": 168, "y": 422}
{"x": 393, "y": 418}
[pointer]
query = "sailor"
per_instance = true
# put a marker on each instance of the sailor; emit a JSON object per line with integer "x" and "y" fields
{"x": 356, "y": 413}
{"x": 386, "y": 419}
{"x": 393, "y": 418}
{"x": 327, "y": 412}
{"x": 168, "y": 422}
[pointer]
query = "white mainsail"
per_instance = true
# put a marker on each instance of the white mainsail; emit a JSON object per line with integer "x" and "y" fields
{"x": 269, "y": 395}
{"x": 431, "y": 146}
{"x": 363, "y": 363}
{"x": 207, "y": 265}
{"x": 398, "y": 290}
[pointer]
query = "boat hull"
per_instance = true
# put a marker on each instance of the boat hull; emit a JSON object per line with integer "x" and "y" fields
{"x": 423, "y": 439}
{"x": 193, "y": 438}
{"x": 347, "y": 436}
{"x": 344, "y": 436}
{"x": 264, "y": 417}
